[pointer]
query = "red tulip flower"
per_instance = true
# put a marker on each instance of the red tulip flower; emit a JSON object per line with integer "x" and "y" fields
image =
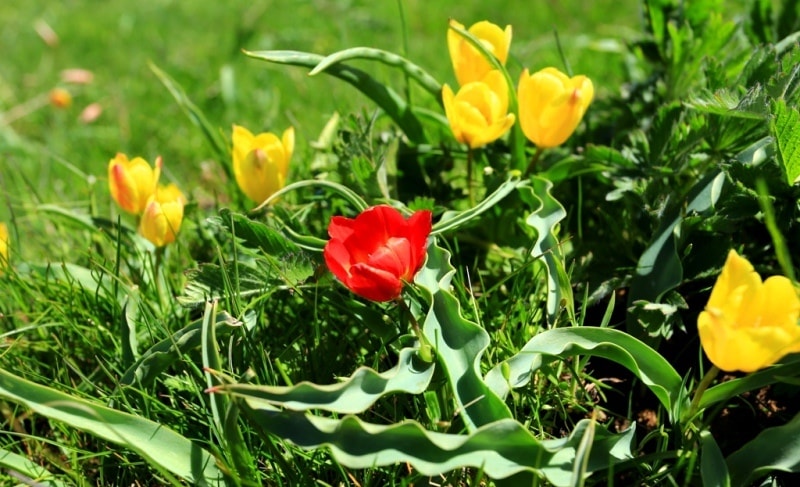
{"x": 375, "y": 252}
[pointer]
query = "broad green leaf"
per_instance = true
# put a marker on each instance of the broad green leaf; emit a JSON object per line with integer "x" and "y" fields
{"x": 353, "y": 395}
{"x": 451, "y": 220}
{"x": 545, "y": 218}
{"x": 28, "y": 468}
{"x": 457, "y": 343}
{"x": 160, "y": 446}
{"x": 785, "y": 128}
{"x": 386, "y": 98}
{"x": 713, "y": 469}
{"x": 649, "y": 366}
{"x": 773, "y": 449}
{"x": 196, "y": 116}
{"x": 412, "y": 70}
{"x": 500, "y": 449}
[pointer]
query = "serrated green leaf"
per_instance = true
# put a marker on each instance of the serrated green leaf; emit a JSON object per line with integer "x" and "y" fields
{"x": 256, "y": 234}
{"x": 501, "y": 449}
{"x": 457, "y": 343}
{"x": 160, "y": 446}
{"x": 659, "y": 268}
{"x": 207, "y": 282}
{"x": 165, "y": 353}
{"x": 785, "y": 128}
{"x": 386, "y": 98}
{"x": 773, "y": 449}
{"x": 560, "y": 343}
{"x": 353, "y": 395}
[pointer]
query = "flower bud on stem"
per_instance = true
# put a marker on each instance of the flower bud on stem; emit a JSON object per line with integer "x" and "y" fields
{"x": 425, "y": 349}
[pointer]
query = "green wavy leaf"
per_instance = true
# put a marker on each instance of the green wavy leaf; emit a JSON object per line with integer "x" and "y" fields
{"x": 500, "y": 449}
{"x": 386, "y": 98}
{"x": 458, "y": 343}
{"x": 354, "y": 395}
{"x": 544, "y": 219}
{"x": 557, "y": 344}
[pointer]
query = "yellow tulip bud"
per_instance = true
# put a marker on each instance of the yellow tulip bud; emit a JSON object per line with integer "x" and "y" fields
{"x": 551, "y": 105}
{"x": 748, "y": 324}
{"x": 3, "y": 245}
{"x": 163, "y": 215}
{"x": 468, "y": 63}
{"x": 132, "y": 182}
{"x": 478, "y": 113}
{"x": 261, "y": 162}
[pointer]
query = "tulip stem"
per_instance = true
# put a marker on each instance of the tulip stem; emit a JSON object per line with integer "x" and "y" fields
{"x": 534, "y": 160}
{"x": 470, "y": 194}
{"x": 701, "y": 388}
{"x": 425, "y": 351}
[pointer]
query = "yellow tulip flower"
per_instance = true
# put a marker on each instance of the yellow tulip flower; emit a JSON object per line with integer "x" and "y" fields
{"x": 551, "y": 105}
{"x": 468, "y": 63}
{"x": 478, "y": 113}
{"x": 748, "y": 324}
{"x": 163, "y": 215}
{"x": 261, "y": 162}
{"x": 132, "y": 182}
{"x": 3, "y": 245}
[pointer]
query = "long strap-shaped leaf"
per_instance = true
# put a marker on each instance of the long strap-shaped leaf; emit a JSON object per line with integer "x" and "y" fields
{"x": 386, "y": 98}
{"x": 559, "y": 343}
{"x": 354, "y": 395}
{"x": 421, "y": 76}
{"x": 159, "y": 445}
{"x": 500, "y": 449}
{"x": 458, "y": 343}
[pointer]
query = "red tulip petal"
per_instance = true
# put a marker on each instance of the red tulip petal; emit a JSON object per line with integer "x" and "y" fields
{"x": 393, "y": 257}
{"x": 376, "y": 225}
{"x": 373, "y": 284}
{"x": 419, "y": 228}
{"x": 340, "y": 227}
{"x": 338, "y": 259}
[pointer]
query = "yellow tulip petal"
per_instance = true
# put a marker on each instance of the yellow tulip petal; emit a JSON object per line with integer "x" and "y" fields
{"x": 551, "y": 105}
{"x": 261, "y": 162}
{"x": 748, "y": 325}
{"x": 3, "y": 245}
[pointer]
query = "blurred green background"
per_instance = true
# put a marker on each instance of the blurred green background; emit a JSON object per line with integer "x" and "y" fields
{"x": 48, "y": 155}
